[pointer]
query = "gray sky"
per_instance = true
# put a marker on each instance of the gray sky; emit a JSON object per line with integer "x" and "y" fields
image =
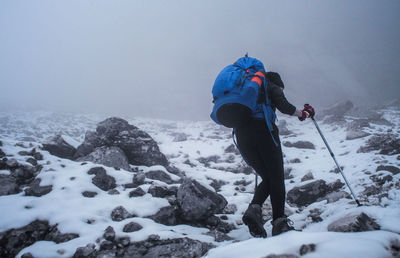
{"x": 160, "y": 58}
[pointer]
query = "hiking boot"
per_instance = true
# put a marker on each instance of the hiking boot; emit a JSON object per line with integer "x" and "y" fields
{"x": 281, "y": 225}
{"x": 253, "y": 219}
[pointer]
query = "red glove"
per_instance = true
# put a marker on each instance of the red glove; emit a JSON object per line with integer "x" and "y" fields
{"x": 308, "y": 111}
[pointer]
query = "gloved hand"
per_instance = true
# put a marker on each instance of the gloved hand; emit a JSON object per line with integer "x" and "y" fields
{"x": 308, "y": 111}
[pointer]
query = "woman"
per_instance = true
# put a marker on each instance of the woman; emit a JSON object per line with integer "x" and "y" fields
{"x": 264, "y": 154}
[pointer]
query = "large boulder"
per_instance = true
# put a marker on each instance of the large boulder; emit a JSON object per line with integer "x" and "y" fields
{"x": 196, "y": 202}
{"x": 108, "y": 156}
{"x": 315, "y": 191}
{"x": 57, "y": 146}
{"x": 137, "y": 145}
{"x": 387, "y": 144}
{"x": 354, "y": 223}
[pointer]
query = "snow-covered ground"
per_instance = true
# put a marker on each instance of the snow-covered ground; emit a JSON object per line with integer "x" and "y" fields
{"x": 199, "y": 150}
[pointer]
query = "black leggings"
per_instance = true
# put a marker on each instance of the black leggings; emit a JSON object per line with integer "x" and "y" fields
{"x": 261, "y": 153}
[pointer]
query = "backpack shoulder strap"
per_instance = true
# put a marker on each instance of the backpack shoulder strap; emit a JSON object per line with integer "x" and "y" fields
{"x": 269, "y": 113}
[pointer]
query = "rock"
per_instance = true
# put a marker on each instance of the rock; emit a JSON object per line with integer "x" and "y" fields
{"x": 103, "y": 181}
{"x": 8, "y": 185}
{"x": 37, "y": 155}
{"x": 174, "y": 248}
{"x": 282, "y": 126}
{"x": 95, "y": 170}
{"x": 287, "y": 174}
{"x": 161, "y": 191}
{"x": 351, "y": 135}
{"x": 139, "y": 179}
{"x": 12, "y": 163}
{"x": 160, "y": 175}
{"x": 306, "y": 177}
{"x": 57, "y": 146}
{"x": 358, "y": 124}
{"x": 197, "y": 202}
{"x": 85, "y": 252}
{"x": 166, "y": 216}
{"x": 2, "y": 154}
{"x": 230, "y": 209}
{"x": 56, "y": 236}
{"x": 27, "y": 255}
{"x": 217, "y": 184}
{"x": 35, "y": 189}
{"x": 91, "y": 141}
{"x": 281, "y": 256}
{"x": 109, "y": 233}
{"x": 381, "y": 180}
{"x": 371, "y": 190}
{"x": 312, "y": 192}
{"x": 392, "y": 169}
{"x": 132, "y": 227}
{"x": 354, "y": 223}
{"x": 108, "y": 156}
{"x": 14, "y": 240}
{"x": 386, "y": 144}
{"x": 137, "y": 192}
{"x": 210, "y": 159}
{"x": 219, "y": 236}
{"x": 106, "y": 245}
{"x": 123, "y": 241}
{"x": 315, "y": 215}
{"x": 295, "y": 160}
{"x": 120, "y": 213}
{"x": 24, "y": 174}
{"x": 138, "y": 146}
{"x": 89, "y": 194}
{"x": 232, "y": 149}
{"x": 179, "y": 137}
{"x": 300, "y": 145}
{"x": 305, "y": 249}
{"x": 32, "y": 161}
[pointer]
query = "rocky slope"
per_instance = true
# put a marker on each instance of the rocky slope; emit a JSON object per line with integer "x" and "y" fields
{"x": 91, "y": 186}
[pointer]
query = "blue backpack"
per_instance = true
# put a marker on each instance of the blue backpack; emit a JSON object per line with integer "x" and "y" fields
{"x": 235, "y": 94}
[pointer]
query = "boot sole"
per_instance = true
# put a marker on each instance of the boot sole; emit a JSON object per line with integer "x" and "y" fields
{"x": 255, "y": 229}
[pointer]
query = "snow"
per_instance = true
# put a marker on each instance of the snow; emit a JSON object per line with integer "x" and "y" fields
{"x": 329, "y": 245}
{"x": 66, "y": 206}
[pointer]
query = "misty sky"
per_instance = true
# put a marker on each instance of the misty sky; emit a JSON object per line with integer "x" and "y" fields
{"x": 160, "y": 58}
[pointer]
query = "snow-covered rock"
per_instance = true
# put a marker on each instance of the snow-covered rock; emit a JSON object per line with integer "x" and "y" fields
{"x": 197, "y": 202}
{"x": 354, "y": 223}
{"x": 107, "y": 156}
{"x": 138, "y": 146}
{"x": 311, "y": 192}
{"x": 57, "y": 146}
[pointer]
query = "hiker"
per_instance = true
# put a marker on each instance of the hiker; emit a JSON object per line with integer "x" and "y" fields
{"x": 260, "y": 152}
{"x": 245, "y": 98}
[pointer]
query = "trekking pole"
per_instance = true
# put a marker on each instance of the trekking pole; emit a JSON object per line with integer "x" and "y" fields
{"x": 333, "y": 156}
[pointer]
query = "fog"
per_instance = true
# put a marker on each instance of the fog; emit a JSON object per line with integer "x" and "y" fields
{"x": 159, "y": 59}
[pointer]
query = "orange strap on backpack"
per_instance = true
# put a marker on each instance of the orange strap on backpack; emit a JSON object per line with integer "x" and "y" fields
{"x": 258, "y": 78}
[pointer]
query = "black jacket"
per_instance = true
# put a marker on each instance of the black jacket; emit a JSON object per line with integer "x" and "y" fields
{"x": 279, "y": 100}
